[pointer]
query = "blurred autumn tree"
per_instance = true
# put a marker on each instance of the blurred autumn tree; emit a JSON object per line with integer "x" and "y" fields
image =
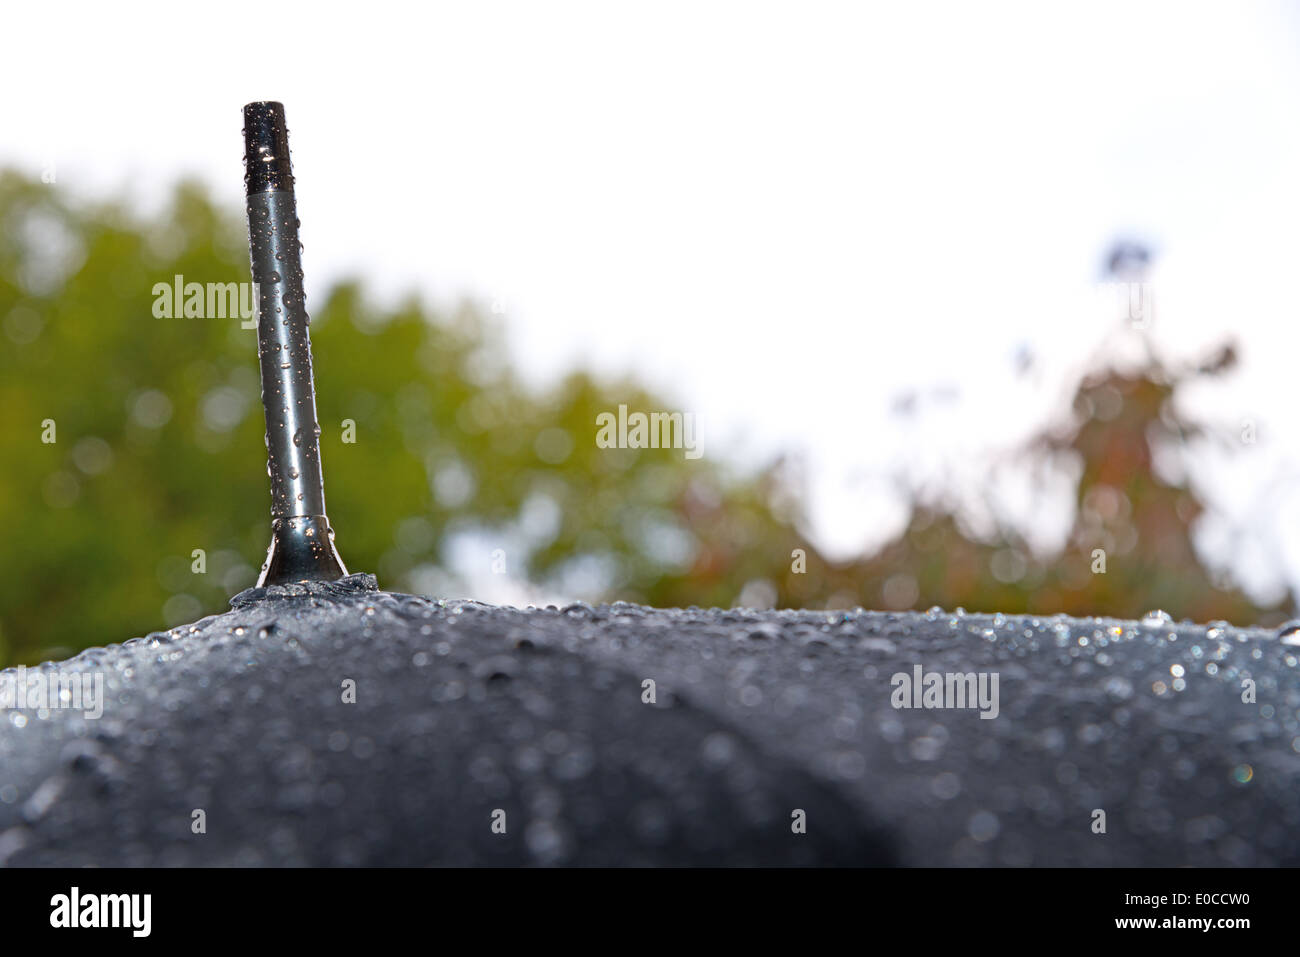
{"x": 158, "y": 453}
{"x": 1129, "y": 551}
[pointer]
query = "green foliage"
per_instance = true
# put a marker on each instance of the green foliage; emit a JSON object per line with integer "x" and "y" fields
{"x": 159, "y": 451}
{"x": 159, "y": 441}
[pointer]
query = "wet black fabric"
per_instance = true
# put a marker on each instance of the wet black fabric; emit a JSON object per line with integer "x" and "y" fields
{"x": 341, "y": 725}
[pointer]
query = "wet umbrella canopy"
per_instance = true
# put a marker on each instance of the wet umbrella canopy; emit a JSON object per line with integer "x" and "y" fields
{"x": 323, "y": 721}
{"x": 332, "y": 723}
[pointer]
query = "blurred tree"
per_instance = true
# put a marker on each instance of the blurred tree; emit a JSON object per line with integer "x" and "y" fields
{"x": 1130, "y": 550}
{"x": 149, "y": 508}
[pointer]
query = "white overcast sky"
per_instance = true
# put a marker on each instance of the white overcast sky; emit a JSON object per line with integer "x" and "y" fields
{"x": 781, "y": 215}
